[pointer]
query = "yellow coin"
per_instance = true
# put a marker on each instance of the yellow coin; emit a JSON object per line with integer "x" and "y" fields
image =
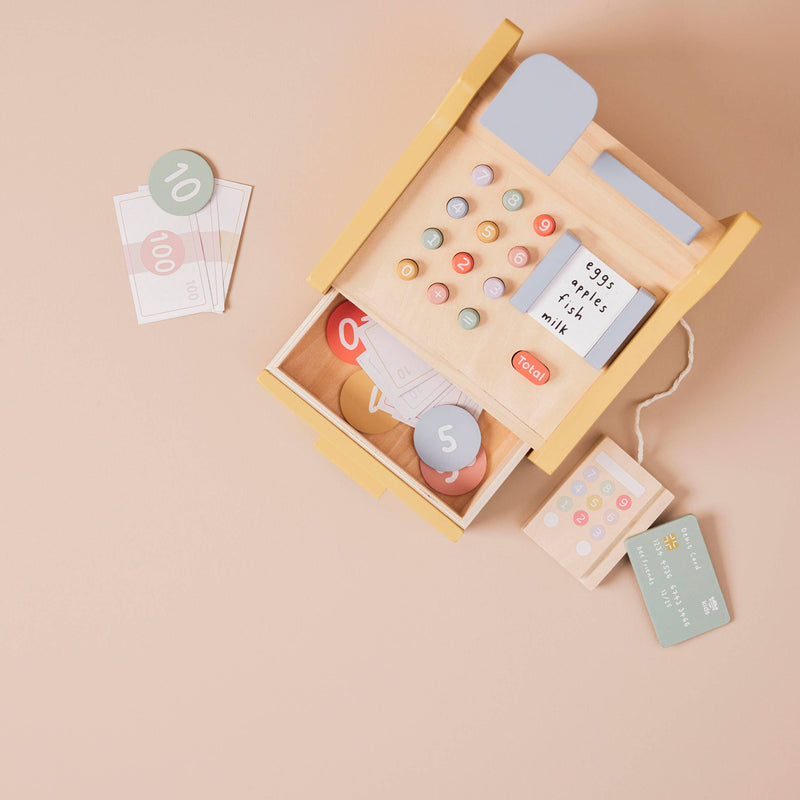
{"x": 359, "y": 403}
{"x": 407, "y": 269}
{"x": 487, "y": 231}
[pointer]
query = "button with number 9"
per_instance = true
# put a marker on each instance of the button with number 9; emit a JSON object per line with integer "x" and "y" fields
{"x": 181, "y": 182}
{"x": 447, "y": 438}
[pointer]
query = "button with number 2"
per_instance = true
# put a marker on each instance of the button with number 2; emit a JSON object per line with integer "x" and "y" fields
{"x": 181, "y": 182}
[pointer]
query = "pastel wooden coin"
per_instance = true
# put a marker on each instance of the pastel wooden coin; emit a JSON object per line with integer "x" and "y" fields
{"x": 181, "y": 182}
{"x": 482, "y": 175}
{"x": 513, "y": 200}
{"x": 460, "y": 481}
{"x": 447, "y": 438}
{"x": 438, "y": 293}
{"x": 487, "y": 231}
{"x": 359, "y": 403}
{"x": 341, "y": 331}
{"x": 463, "y": 263}
{"x": 407, "y": 269}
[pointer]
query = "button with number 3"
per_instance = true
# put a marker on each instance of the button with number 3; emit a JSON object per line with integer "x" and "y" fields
{"x": 181, "y": 182}
{"x": 447, "y": 438}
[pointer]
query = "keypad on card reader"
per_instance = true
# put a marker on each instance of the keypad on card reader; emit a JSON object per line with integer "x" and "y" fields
{"x": 607, "y": 498}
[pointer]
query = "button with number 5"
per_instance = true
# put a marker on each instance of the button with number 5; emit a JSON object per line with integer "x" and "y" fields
{"x": 181, "y": 182}
{"x": 447, "y": 438}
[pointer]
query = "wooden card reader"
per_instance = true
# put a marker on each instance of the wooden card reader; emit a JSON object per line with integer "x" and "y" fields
{"x": 524, "y": 255}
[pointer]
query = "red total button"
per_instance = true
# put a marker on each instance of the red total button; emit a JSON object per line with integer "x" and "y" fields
{"x": 528, "y": 365}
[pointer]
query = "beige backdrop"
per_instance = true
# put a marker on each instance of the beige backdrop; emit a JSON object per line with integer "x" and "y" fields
{"x": 194, "y": 603}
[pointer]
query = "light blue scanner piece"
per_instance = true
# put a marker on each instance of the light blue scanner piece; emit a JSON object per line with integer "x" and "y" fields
{"x": 643, "y": 195}
{"x": 542, "y": 110}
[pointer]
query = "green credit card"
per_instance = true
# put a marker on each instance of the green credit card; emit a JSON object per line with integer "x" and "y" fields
{"x": 677, "y": 580}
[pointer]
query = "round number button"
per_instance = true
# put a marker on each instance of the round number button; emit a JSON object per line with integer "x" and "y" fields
{"x": 460, "y": 481}
{"x": 578, "y": 488}
{"x": 610, "y": 517}
{"x": 359, "y": 403}
{"x": 607, "y": 488}
{"x": 463, "y": 263}
{"x": 564, "y": 503}
{"x": 341, "y": 331}
{"x": 591, "y": 473}
{"x": 494, "y": 288}
{"x": 544, "y": 225}
{"x": 580, "y": 517}
{"x": 468, "y": 318}
{"x": 482, "y": 175}
{"x": 594, "y": 502}
{"x": 447, "y": 438}
{"x": 181, "y": 182}
{"x": 597, "y": 532}
{"x": 583, "y": 548}
{"x": 487, "y": 231}
{"x": 438, "y": 293}
{"x": 550, "y": 519}
{"x": 624, "y": 502}
{"x": 432, "y": 238}
{"x": 513, "y": 200}
{"x": 457, "y": 207}
{"x": 407, "y": 269}
{"x": 518, "y": 256}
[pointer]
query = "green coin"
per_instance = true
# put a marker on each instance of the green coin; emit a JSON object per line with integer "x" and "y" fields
{"x": 181, "y": 182}
{"x": 513, "y": 200}
{"x": 468, "y": 318}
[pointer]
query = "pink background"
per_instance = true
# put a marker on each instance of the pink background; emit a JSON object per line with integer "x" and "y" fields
{"x": 194, "y": 603}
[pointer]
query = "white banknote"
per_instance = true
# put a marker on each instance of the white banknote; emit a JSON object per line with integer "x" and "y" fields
{"x": 165, "y": 261}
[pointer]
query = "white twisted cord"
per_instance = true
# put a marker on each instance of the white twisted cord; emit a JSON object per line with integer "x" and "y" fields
{"x": 677, "y": 382}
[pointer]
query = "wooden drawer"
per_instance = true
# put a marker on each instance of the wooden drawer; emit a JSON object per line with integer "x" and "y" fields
{"x": 308, "y": 377}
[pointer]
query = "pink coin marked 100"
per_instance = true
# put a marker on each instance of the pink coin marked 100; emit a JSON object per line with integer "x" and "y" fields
{"x": 341, "y": 331}
{"x": 463, "y": 263}
{"x": 460, "y": 481}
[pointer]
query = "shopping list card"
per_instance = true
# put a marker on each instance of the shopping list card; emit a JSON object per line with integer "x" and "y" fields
{"x": 165, "y": 261}
{"x": 582, "y": 301}
{"x": 677, "y": 579}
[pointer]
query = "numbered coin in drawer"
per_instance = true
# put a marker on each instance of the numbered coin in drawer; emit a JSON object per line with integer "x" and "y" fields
{"x": 459, "y": 481}
{"x": 359, "y": 400}
{"x": 447, "y": 438}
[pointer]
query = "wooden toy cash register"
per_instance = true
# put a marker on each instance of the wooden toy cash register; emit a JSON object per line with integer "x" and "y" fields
{"x": 526, "y": 257}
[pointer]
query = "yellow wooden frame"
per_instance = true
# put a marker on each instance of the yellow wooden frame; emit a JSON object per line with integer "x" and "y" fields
{"x": 366, "y": 470}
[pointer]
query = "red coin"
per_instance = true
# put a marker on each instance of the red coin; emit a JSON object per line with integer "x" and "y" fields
{"x": 342, "y": 331}
{"x": 458, "y": 482}
{"x": 463, "y": 263}
{"x": 544, "y": 225}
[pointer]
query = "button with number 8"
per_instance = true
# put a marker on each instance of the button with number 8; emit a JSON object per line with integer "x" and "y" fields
{"x": 181, "y": 182}
{"x": 447, "y": 438}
